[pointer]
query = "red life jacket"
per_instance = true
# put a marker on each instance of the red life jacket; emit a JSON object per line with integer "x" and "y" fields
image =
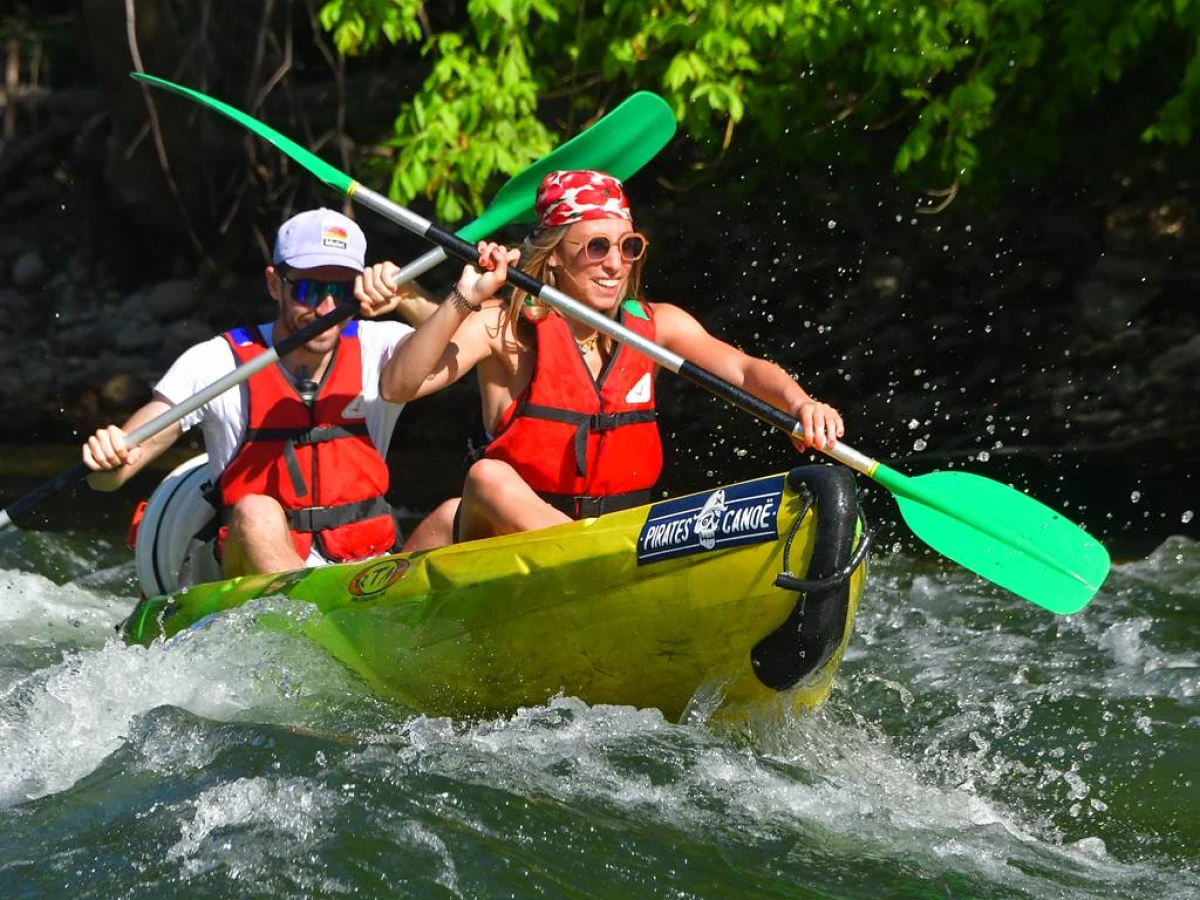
{"x": 320, "y": 465}
{"x": 587, "y": 446}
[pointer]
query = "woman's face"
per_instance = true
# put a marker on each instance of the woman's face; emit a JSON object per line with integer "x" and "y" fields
{"x": 599, "y": 283}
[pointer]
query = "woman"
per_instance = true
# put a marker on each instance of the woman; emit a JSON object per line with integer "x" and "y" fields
{"x": 570, "y": 413}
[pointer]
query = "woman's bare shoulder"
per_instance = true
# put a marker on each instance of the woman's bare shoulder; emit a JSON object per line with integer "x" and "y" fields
{"x": 672, "y": 319}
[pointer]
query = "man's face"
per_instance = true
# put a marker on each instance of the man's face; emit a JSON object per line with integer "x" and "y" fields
{"x": 305, "y": 294}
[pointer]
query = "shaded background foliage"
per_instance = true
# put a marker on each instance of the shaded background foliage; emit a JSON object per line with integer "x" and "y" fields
{"x": 961, "y": 89}
{"x": 972, "y": 224}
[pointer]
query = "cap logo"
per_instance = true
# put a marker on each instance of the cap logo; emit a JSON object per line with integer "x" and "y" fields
{"x": 335, "y": 236}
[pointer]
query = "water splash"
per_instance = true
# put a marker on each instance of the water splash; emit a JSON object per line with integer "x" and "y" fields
{"x": 58, "y": 724}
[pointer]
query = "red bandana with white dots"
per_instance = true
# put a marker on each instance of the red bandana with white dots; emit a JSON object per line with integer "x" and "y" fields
{"x": 578, "y": 196}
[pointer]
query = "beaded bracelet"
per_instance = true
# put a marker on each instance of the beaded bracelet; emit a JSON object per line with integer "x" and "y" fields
{"x": 461, "y": 302}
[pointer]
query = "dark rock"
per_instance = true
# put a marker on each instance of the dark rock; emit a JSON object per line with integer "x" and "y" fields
{"x": 183, "y": 334}
{"x": 1182, "y": 360}
{"x": 173, "y": 299}
{"x": 29, "y": 271}
{"x": 133, "y": 309}
{"x": 81, "y": 338}
{"x": 1116, "y": 291}
{"x": 142, "y": 337}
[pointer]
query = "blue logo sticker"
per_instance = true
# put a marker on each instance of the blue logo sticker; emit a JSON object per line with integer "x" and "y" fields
{"x": 727, "y": 517}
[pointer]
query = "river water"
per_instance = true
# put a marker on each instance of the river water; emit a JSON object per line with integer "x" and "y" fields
{"x": 975, "y": 747}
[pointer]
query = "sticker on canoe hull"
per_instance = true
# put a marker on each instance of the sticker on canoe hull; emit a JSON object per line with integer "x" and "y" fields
{"x": 727, "y": 517}
{"x": 378, "y": 577}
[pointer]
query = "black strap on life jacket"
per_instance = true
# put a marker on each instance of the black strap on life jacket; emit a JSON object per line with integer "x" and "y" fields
{"x": 303, "y": 437}
{"x": 585, "y": 507}
{"x": 325, "y": 518}
{"x": 586, "y": 422}
{"x": 315, "y": 518}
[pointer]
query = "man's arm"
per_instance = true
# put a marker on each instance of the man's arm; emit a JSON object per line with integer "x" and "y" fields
{"x": 442, "y": 348}
{"x": 113, "y": 462}
{"x": 379, "y": 296}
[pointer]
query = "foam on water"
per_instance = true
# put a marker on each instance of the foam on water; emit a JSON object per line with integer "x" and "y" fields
{"x": 833, "y": 789}
{"x": 955, "y": 632}
{"x": 292, "y": 810}
{"x": 36, "y": 611}
{"x": 959, "y": 748}
{"x": 59, "y": 723}
{"x": 1066, "y": 722}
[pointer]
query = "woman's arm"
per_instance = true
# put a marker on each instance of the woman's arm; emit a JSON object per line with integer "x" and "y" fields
{"x": 681, "y": 333}
{"x": 446, "y": 345}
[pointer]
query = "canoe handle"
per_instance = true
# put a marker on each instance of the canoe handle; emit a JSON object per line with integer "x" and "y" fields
{"x": 811, "y": 634}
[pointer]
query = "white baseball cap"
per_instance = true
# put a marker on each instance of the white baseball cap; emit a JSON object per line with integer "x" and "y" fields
{"x": 320, "y": 237}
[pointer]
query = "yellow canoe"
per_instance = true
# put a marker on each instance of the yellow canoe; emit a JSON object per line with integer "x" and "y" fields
{"x": 673, "y": 605}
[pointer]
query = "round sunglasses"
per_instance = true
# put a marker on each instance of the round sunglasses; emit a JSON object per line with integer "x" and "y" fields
{"x": 631, "y": 246}
{"x": 311, "y": 293}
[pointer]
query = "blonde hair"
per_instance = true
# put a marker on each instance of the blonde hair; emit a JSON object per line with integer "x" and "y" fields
{"x": 536, "y": 251}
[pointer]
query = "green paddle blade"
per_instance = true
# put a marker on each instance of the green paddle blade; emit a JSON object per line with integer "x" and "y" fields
{"x": 339, "y": 181}
{"x": 1003, "y": 535}
{"x": 620, "y": 144}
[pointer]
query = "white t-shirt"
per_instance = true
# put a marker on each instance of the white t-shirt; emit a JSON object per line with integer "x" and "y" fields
{"x": 223, "y": 420}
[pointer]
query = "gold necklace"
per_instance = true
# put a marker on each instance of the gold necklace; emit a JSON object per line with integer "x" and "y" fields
{"x": 587, "y": 345}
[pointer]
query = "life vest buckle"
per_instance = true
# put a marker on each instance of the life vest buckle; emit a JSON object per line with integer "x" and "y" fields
{"x": 604, "y": 421}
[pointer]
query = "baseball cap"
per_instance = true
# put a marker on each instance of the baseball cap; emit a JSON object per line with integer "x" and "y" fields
{"x": 320, "y": 237}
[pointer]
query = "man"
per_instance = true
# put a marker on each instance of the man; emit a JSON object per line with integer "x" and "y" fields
{"x": 570, "y": 413}
{"x": 297, "y": 454}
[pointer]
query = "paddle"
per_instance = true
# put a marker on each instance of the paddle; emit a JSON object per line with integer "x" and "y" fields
{"x": 1009, "y": 539}
{"x": 169, "y": 417}
{"x": 621, "y": 142}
